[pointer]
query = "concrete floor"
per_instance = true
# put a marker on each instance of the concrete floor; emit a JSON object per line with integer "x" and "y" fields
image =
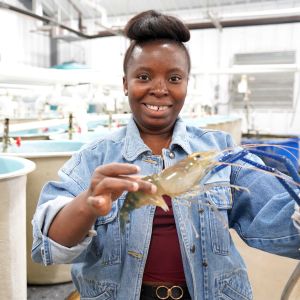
{"x": 50, "y": 292}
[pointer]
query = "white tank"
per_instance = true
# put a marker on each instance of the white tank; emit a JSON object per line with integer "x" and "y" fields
{"x": 48, "y": 156}
{"x": 13, "y": 175}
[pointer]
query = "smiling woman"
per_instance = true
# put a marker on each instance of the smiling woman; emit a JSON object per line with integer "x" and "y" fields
{"x": 182, "y": 253}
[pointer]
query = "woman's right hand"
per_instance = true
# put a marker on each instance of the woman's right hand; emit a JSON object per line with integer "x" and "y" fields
{"x": 72, "y": 223}
{"x": 109, "y": 181}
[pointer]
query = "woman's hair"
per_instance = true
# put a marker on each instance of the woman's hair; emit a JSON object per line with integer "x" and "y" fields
{"x": 152, "y": 25}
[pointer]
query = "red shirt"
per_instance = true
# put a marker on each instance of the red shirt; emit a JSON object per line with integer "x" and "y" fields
{"x": 164, "y": 262}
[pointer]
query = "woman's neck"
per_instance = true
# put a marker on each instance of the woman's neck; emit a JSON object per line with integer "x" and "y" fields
{"x": 157, "y": 142}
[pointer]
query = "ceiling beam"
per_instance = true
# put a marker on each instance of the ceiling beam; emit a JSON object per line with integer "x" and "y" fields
{"x": 205, "y": 24}
{"x": 246, "y": 22}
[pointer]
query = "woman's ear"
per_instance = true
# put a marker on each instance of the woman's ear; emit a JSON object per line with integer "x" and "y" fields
{"x": 125, "y": 86}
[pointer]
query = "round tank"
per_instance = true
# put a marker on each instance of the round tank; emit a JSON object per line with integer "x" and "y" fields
{"x": 13, "y": 175}
{"x": 85, "y": 137}
{"x": 37, "y": 133}
{"x": 48, "y": 156}
{"x": 230, "y": 124}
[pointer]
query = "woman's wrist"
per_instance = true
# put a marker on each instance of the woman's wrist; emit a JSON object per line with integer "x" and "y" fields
{"x": 86, "y": 210}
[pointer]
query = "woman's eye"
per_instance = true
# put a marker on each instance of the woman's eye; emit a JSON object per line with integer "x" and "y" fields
{"x": 143, "y": 77}
{"x": 175, "y": 78}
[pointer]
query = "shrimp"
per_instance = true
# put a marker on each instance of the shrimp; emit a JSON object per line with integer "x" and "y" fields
{"x": 184, "y": 177}
{"x": 173, "y": 181}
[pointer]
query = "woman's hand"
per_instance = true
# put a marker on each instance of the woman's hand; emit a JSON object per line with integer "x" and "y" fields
{"x": 109, "y": 181}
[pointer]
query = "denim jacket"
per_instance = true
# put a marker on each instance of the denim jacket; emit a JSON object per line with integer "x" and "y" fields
{"x": 110, "y": 264}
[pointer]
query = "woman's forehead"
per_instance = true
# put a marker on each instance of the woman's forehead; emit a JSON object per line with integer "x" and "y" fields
{"x": 158, "y": 50}
{"x": 157, "y": 46}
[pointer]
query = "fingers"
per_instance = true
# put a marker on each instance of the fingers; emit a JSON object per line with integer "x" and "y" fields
{"x": 119, "y": 185}
{"x": 117, "y": 169}
{"x": 113, "y": 184}
{"x": 117, "y": 178}
{"x": 110, "y": 181}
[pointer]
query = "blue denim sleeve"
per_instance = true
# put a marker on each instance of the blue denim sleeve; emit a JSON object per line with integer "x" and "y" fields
{"x": 54, "y": 196}
{"x": 262, "y": 215}
{"x": 44, "y": 249}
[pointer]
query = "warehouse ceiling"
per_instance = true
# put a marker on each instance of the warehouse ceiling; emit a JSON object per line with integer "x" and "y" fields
{"x": 98, "y": 18}
{"x": 124, "y": 8}
{"x": 120, "y": 8}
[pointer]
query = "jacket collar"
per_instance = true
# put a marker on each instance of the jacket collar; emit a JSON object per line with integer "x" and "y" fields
{"x": 134, "y": 145}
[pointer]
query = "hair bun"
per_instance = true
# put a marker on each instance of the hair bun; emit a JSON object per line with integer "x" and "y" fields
{"x": 151, "y": 25}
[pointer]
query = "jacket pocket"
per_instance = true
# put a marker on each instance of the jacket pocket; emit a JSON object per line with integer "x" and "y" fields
{"x": 106, "y": 245}
{"x": 233, "y": 286}
{"x": 106, "y": 295}
{"x": 219, "y": 199}
{"x": 94, "y": 290}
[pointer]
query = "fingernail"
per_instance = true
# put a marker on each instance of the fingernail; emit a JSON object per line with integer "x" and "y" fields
{"x": 138, "y": 169}
{"x": 153, "y": 189}
{"x": 135, "y": 186}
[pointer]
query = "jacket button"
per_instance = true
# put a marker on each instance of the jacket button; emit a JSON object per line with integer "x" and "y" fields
{"x": 204, "y": 263}
{"x": 193, "y": 248}
{"x": 171, "y": 155}
{"x": 201, "y": 210}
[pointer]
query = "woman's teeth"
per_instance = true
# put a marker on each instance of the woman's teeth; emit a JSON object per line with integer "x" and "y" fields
{"x": 156, "y": 108}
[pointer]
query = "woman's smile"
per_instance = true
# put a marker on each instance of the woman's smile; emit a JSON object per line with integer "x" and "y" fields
{"x": 156, "y": 111}
{"x": 156, "y": 107}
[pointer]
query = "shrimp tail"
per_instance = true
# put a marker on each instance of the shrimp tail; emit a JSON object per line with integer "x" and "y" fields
{"x": 139, "y": 199}
{"x": 158, "y": 201}
{"x": 124, "y": 217}
{"x": 136, "y": 200}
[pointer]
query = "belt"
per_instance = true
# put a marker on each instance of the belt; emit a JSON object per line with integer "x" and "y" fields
{"x": 164, "y": 292}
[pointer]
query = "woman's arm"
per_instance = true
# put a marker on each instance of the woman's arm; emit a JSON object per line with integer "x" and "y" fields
{"x": 73, "y": 222}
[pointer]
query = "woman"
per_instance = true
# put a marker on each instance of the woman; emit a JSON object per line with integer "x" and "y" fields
{"x": 159, "y": 255}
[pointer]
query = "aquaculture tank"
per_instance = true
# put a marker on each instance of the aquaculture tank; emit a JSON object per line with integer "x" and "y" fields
{"x": 48, "y": 156}
{"x": 85, "y": 137}
{"x": 13, "y": 176}
{"x": 42, "y": 133}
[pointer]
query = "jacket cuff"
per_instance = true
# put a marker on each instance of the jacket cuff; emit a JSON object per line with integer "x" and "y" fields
{"x": 51, "y": 251}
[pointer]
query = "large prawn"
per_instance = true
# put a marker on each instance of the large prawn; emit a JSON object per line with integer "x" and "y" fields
{"x": 185, "y": 176}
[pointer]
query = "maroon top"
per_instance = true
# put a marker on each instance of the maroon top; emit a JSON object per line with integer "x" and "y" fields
{"x": 164, "y": 262}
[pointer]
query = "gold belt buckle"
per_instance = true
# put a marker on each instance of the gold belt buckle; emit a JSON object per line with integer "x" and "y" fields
{"x": 169, "y": 292}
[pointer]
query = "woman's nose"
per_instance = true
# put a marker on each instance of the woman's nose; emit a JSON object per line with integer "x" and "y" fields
{"x": 159, "y": 89}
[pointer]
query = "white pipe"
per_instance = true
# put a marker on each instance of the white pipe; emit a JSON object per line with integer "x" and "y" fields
{"x": 34, "y": 75}
{"x": 283, "y": 12}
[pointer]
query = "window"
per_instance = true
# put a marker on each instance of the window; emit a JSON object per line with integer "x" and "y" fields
{"x": 266, "y": 89}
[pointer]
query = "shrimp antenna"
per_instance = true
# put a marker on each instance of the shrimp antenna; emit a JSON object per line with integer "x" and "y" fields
{"x": 278, "y": 174}
{"x": 247, "y": 146}
{"x": 284, "y": 148}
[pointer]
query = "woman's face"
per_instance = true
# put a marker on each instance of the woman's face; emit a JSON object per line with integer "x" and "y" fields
{"x": 156, "y": 84}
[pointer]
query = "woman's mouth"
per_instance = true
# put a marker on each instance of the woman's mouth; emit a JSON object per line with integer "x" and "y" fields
{"x": 157, "y": 107}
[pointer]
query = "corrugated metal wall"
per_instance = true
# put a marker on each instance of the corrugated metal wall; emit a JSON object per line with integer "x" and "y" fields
{"x": 20, "y": 42}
